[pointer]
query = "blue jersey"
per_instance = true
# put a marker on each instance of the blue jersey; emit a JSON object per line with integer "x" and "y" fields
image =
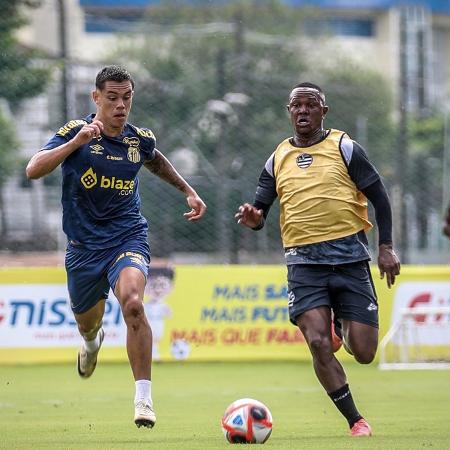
{"x": 100, "y": 197}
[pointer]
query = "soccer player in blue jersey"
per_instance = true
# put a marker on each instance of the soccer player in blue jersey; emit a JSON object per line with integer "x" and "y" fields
{"x": 323, "y": 180}
{"x": 100, "y": 157}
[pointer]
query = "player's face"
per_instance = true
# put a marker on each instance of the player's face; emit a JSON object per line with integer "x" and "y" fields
{"x": 307, "y": 110}
{"x": 114, "y": 103}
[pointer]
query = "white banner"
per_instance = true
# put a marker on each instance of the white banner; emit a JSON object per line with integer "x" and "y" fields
{"x": 427, "y": 329}
{"x": 39, "y": 315}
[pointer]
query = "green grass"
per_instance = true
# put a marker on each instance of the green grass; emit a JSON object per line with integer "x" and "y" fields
{"x": 49, "y": 407}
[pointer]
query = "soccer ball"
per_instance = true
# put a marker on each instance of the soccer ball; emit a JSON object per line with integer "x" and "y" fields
{"x": 180, "y": 349}
{"x": 247, "y": 421}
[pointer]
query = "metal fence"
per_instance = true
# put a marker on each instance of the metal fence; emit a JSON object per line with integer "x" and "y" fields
{"x": 215, "y": 96}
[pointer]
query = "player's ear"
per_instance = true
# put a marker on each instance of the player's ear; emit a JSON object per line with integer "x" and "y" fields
{"x": 95, "y": 96}
{"x": 325, "y": 110}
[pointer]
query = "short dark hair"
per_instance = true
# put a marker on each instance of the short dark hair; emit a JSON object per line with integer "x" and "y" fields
{"x": 112, "y": 73}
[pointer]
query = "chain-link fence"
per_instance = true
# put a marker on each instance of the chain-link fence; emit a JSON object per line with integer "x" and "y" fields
{"x": 214, "y": 94}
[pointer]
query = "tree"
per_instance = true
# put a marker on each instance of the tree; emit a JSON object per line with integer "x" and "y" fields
{"x": 20, "y": 79}
{"x": 8, "y": 162}
{"x": 424, "y": 180}
{"x": 18, "y": 72}
{"x": 184, "y": 81}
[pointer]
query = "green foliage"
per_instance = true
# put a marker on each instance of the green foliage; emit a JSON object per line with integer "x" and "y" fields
{"x": 425, "y": 163}
{"x": 361, "y": 103}
{"x": 8, "y": 149}
{"x": 427, "y": 134}
{"x": 20, "y": 76}
{"x": 199, "y": 55}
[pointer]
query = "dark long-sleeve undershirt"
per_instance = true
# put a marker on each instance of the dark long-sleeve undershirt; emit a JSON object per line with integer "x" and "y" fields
{"x": 377, "y": 195}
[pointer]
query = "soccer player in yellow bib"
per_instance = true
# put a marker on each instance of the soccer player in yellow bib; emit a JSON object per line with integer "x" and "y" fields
{"x": 323, "y": 179}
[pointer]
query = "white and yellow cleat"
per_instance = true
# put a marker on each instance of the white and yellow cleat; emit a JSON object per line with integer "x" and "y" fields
{"x": 144, "y": 416}
{"x": 86, "y": 361}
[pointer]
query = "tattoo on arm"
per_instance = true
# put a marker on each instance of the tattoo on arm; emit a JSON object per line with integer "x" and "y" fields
{"x": 162, "y": 168}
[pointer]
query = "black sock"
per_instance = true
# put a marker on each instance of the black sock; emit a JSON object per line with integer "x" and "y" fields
{"x": 343, "y": 400}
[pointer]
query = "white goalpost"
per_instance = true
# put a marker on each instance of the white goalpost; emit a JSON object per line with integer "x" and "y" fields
{"x": 420, "y": 339}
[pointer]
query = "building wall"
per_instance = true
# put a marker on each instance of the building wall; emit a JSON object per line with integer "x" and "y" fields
{"x": 380, "y": 51}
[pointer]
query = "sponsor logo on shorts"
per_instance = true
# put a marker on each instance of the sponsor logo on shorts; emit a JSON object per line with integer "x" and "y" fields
{"x": 291, "y": 252}
{"x": 136, "y": 258}
{"x": 291, "y": 298}
{"x": 372, "y": 307}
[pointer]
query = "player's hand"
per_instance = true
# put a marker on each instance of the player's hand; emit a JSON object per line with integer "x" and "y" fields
{"x": 88, "y": 132}
{"x": 249, "y": 216}
{"x": 388, "y": 263}
{"x": 197, "y": 205}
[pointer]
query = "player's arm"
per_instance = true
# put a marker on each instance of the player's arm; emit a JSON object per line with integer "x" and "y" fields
{"x": 254, "y": 216}
{"x": 446, "y": 228}
{"x": 162, "y": 168}
{"x": 46, "y": 161}
{"x": 368, "y": 181}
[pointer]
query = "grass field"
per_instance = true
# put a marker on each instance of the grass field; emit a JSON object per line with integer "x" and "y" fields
{"x": 49, "y": 407}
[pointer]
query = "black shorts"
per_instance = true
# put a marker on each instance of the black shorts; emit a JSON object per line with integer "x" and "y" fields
{"x": 347, "y": 288}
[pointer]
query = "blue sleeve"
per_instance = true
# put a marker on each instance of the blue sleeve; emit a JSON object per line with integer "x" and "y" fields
{"x": 147, "y": 141}
{"x": 64, "y": 134}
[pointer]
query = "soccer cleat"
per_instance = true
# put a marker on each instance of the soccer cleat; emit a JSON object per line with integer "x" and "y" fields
{"x": 144, "y": 416}
{"x": 361, "y": 428}
{"x": 86, "y": 361}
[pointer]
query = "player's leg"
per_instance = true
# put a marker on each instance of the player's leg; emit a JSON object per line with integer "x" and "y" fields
{"x": 357, "y": 309}
{"x": 310, "y": 310}
{"x": 128, "y": 276}
{"x": 315, "y": 325}
{"x": 90, "y": 327}
{"x": 361, "y": 339}
{"x": 88, "y": 290}
{"x": 129, "y": 290}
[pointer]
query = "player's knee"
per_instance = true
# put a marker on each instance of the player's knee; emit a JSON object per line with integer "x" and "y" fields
{"x": 319, "y": 344}
{"x": 89, "y": 329}
{"x": 132, "y": 306}
{"x": 366, "y": 356}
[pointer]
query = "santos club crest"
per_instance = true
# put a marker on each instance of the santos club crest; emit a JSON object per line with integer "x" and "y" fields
{"x": 133, "y": 154}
